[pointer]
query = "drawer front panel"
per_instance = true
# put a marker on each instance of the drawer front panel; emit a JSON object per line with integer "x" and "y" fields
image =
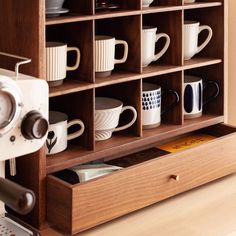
{"x": 137, "y": 187}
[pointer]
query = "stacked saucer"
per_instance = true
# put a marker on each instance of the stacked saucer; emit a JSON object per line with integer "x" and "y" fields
{"x": 54, "y": 8}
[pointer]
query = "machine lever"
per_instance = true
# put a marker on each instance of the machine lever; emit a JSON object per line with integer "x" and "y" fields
{"x": 18, "y": 198}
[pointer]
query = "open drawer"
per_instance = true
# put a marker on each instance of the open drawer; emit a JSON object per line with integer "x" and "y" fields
{"x": 74, "y": 208}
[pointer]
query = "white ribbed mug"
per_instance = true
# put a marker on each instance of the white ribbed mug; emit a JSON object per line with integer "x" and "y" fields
{"x": 149, "y": 40}
{"x": 107, "y": 115}
{"x": 192, "y": 29}
{"x": 105, "y": 54}
{"x": 56, "y": 62}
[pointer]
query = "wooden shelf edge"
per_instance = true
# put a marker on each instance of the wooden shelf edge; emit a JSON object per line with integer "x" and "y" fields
{"x": 155, "y": 70}
{"x": 200, "y": 62}
{"x": 104, "y": 15}
{"x": 157, "y": 9}
{"x": 128, "y": 145}
{"x": 147, "y": 10}
{"x": 201, "y": 5}
{"x": 70, "y": 86}
{"x": 68, "y": 19}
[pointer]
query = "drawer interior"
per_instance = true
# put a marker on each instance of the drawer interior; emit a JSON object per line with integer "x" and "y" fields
{"x": 150, "y": 153}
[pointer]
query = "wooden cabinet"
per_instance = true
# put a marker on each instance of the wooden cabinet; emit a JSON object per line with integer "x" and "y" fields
{"x": 85, "y": 205}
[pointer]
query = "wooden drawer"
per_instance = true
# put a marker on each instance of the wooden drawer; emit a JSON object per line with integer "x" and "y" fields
{"x": 74, "y": 208}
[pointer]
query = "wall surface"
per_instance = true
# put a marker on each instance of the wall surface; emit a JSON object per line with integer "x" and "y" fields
{"x": 232, "y": 63}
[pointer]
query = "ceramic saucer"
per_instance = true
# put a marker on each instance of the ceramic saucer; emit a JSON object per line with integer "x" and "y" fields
{"x": 57, "y": 12}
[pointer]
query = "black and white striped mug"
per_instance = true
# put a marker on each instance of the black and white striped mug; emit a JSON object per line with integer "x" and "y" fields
{"x": 194, "y": 93}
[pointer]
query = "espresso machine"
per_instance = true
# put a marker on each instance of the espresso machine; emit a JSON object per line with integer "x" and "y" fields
{"x": 23, "y": 130}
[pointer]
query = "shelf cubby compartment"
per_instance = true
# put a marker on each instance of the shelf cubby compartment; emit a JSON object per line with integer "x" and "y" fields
{"x": 77, "y": 106}
{"x": 123, "y": 92}
{"x": 174, "y": 82}
{"x": 162, "y": 6}
{"x": 161, "y": 3}
{"x": 124, "y": 8}
{"x": 78, "y": 34}
{"x": 169, "y": 23}
{"x": 214, "y": 73}
{"x": 78, "y": 11}
{"x": 212, "y": 17}
{"x": 82, "y": 7}
{"x": 117, "y": 27}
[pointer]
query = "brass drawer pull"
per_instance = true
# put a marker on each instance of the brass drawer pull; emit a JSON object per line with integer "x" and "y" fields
{"x": 175, "y": 177}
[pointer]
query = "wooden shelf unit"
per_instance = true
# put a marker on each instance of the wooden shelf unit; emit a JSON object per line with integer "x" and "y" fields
{"x": 28, "y": 30}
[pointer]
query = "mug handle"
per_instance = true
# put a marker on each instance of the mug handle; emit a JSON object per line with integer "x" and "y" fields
{"x": 70, "y": 68}
{"x": 207, "y": 84}
{"x": 167, "y": 44}
{"x": 126, "y": 49}
{"x": 131, "y": 122}
{"x": 77, "y": 133}
{"x": 173, "y": 104}
{"x": 210, "y": 33}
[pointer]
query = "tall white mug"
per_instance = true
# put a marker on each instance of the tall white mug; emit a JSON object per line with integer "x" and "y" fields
{"x": 149, "y": 40}
{"x": 192, "y": 29}
{"x": 105, "y": 54}
{"x": 56, "y": 62}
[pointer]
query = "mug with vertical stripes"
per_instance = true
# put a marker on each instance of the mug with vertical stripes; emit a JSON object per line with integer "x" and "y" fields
{"x": 105, "y": 54}
{"x": 56, "y": 62}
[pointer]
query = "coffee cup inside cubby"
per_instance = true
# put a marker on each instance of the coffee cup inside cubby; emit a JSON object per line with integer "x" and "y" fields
{"x": 105, "y": 48}
{"x": 192, "y": 29}
{"x": 58, "y": 132}
{"x": 107, "y": 115}
{"x": 149, "y": 40}
{"x": 56, "y": 62}
{"x": 198, "y": 93}
{"x": 152, "y": 95}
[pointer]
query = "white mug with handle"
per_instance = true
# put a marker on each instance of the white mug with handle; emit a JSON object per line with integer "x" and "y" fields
{"x": 105, "y": 54}
{"x": 149, "y": 40}
{"x": 192, "y": 29}
{"x": 107, "y": 115}
{"x": 57, "y": 132}
{"x": 56, "y": 62}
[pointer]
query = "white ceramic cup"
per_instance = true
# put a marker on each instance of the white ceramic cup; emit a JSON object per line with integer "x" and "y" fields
{"x": 149, "y": 40}
{"x": 192, "y": 29}
{"x": 107, "y": 115}
{"x": 105, "y": 54}
{"x": 194, "y": 90}
{"x": 151, "y": 104}
{"x": 56, "y": 62}
{"x": 57, "y": 132}
{"x": 146, "y": 3}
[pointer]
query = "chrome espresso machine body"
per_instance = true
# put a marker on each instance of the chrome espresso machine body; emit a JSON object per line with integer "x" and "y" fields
{"x": 23, "y": 130}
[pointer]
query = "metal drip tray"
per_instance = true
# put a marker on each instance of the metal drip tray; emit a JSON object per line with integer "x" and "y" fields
{"x": 8, "y": 227}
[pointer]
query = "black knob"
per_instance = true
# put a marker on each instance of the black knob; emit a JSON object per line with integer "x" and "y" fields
{"x": 34, "y": 125}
